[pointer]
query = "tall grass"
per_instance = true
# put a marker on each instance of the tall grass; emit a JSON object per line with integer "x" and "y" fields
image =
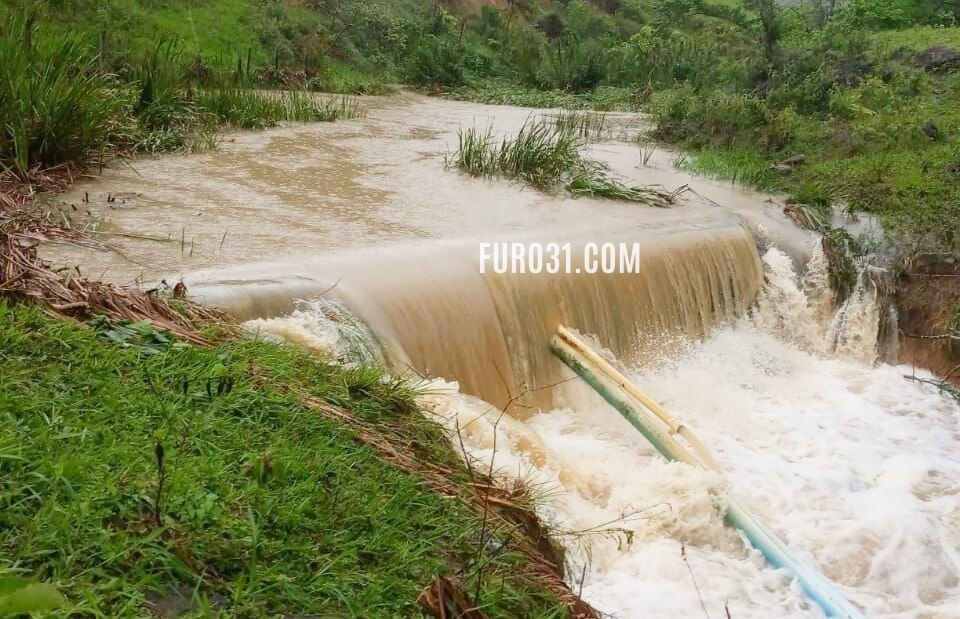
{"x": 53, "y": 108}
{"x": 540, "y": 154}
{"x": 547, "y": 155}
{"x": 587, "y": 125}
{"x": 254, "y": 109}
{"x": 57, "y": 107}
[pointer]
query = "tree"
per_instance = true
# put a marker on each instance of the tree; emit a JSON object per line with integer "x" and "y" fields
{"x": 769, "y": 14}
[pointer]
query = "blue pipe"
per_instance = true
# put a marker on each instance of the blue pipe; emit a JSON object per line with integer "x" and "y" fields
{"x": 817, "y": 587}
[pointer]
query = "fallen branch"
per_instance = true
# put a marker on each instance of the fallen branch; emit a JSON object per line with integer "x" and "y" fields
{"x": 447, "y": 599}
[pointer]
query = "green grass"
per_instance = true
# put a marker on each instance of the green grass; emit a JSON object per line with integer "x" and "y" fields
{"x": 916, "y": 38}
{"x": 586, "y": 125}
{"x": 541, "y": 154}
{"x": 55, "y": 109}
{"x": 742, "y": 166}
{"x": 133, "y": 469}
{"x": 215, "y": 29}
{"x": 547, "y": 155}
{"x": 59, "y": 106}
{"x": 254, "y": 109}
{"x": 603, "y": 98}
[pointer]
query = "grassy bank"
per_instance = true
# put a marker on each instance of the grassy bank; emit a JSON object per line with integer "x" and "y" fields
{"x": 881, "y": 141}
{"x": 61, "y": 108}
{"x": 140, "y": 474}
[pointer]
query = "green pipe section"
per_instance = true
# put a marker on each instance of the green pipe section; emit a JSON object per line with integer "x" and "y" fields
{"x": 817, "y": 587}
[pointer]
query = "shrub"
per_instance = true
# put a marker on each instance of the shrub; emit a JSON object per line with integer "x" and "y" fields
{"x": 437, "y": 60}
{"x": 715, "y": 117}
{"x": 869, "y": 14}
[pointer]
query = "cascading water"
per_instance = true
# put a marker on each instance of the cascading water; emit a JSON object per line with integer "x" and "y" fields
{"x": 325, "y": 327}
{"x": 850, "y": 463}
{"x": 434, "y": 311}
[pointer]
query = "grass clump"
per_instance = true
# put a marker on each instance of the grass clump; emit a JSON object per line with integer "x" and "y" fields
{"x": 256, "y": 109}
{"x": 539, "y": 154}
{"x": 547, "y": 155}
{"x": 156, "y": 474}
{"x": 586, "y": 125}
{"x": 54, "y": 107}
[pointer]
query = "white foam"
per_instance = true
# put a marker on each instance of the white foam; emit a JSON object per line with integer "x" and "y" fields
{"x": 854, "y": 466}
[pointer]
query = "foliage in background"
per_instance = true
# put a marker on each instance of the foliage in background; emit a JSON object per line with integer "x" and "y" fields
{"x": 865, "y": 90}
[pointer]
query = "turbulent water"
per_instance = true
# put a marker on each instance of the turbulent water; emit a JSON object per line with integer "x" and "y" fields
{"x": 852, "y": 464}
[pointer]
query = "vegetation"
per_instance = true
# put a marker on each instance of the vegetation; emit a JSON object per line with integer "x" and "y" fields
{"x": 547, "y": 155}
{"x": 140, "y": 473}
{"x": 61, "y": 109}
{"x": 845, "y": 109}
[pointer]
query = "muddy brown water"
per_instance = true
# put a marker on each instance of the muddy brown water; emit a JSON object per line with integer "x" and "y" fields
{"x": 365, "y": 210}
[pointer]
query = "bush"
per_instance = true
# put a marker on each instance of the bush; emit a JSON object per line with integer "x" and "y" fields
{"x": 714, "y": 117}
{"x": 572, "y": 67}
{"x": 437, "y": 60}
{"x": 869, "y": 14}
{"x": 649, "y": 57}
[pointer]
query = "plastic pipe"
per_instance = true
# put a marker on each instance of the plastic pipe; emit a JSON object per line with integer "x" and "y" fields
{"x": 590, "y": 367}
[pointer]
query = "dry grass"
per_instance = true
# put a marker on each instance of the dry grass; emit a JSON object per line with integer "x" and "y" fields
{"x": 25, "y": 277}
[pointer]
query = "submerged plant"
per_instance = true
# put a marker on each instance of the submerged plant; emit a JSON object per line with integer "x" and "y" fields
{"x": 255, "y": 109}
{"x": 547, "y": 155}
{"x": 587, "y": 125}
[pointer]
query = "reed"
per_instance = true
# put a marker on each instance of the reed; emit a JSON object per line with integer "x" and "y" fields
{"x": 477, "y": 154}
{"x": 256, "y": 109}
{"x": 598, "y": 183}
{"x": 58, "y": 107}
{"x": 540, "y": 154}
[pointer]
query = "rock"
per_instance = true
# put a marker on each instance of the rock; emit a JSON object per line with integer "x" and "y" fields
{"x": 938, "y": 58}
{"x": 782, "y": 168}
{"x": 795, "y": 161}
{"x": 930, "y": 130}
{"x": 852, "y": 72}
{"x": 845, "y": 138}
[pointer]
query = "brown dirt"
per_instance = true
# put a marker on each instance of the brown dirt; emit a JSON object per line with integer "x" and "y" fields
{"x": 927, "y": 299}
